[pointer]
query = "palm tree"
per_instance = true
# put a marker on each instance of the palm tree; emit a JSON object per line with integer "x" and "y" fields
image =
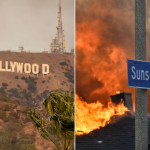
{"x": 57, "y": 124}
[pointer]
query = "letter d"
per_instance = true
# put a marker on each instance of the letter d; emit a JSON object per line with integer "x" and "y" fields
{"x": 45, "y": 68}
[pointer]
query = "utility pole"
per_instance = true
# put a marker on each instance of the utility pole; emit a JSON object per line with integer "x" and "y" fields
{"x": 141, "y": 122}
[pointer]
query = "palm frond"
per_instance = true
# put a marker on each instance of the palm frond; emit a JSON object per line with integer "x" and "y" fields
{"x": 60, "y": 121}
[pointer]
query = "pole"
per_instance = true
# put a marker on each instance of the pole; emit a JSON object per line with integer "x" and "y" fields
{"x": 141, "y": 123}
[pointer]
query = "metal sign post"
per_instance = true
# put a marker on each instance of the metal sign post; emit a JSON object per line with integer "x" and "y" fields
{"x": 141, "y": 123}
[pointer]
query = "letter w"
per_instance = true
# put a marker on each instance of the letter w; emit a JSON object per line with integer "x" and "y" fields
{"x": 19, "y": 67}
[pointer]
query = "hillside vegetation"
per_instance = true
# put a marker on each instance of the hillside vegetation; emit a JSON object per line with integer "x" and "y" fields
{"x": 16, "y": 128}
{"x": 31, "y": 89}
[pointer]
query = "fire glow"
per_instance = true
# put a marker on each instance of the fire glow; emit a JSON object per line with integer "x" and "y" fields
{"x": 117, "y": 92}
{"x": 102, "y": 48}
{"x": 93, "y": 116}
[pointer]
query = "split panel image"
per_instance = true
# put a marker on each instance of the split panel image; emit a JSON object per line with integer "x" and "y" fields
{"x": 63, "y": 74}
{"x": 37, "y": 74}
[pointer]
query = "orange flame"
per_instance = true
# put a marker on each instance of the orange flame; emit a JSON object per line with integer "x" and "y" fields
{"x": 102, "y": 48}
{"x": 93, "y": 116}
{"x": 117, "y": 92}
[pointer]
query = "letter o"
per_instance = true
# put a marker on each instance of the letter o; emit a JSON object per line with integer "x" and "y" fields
{"x": 35, "y": 68}
{"x": 27, "y": 68}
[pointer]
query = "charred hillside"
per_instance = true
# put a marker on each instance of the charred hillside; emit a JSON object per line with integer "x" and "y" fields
{"x": 31, "y": 89}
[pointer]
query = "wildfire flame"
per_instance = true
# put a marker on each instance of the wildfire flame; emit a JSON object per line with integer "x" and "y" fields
{"x": 93, "y": 116}
{"x": 117, "y": 92}
{"x": 102, "y": 48}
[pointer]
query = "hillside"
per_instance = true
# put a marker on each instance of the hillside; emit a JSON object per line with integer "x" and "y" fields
{"x": 31, "y": 89}
{"x": 17, "y": 129}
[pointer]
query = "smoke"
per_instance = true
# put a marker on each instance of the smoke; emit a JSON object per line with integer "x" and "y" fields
{"x": 104, "y": 40}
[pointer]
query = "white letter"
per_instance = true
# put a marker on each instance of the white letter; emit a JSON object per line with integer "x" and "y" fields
{"x": 146, "y": 74}
{"x": 12, "y": 66}
{"x": 1, "y": 69}
{"x": 19, "y": 67}
{"x": 6, "y": 66}
{"x": 35, "y": 68}
{"x": 142, "y": 75}
{"x": 27, "y": 68}
{"x": 45, "y": 68}
{"x": 138, "y": 77}
{"x": 133, "y": 77}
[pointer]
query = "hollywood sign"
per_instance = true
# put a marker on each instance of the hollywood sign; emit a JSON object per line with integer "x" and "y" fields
{"x": 23, "y": 67}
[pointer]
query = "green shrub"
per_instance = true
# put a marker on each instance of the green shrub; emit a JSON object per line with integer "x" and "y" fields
{"x": 5, "y": 141}
{"x": 18, "y": 86}
{"x": 16, "y": 77}
{"x": 4, "y": 84}
{"x": 25, "y": 144}
{"x": 4, "y": 98}
{"x": 14, "y": 92}
{"x": 13, "y": 127}
{"x": 6, "y": 107}
{"x": 3, "y": 115}
{"x": 25, "y": 109}
{"x": 43, "y": 81}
